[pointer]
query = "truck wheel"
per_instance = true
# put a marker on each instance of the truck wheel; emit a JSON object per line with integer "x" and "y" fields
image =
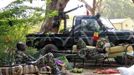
{"x": 82, "y": 52}
{"x": 48, "y": 48}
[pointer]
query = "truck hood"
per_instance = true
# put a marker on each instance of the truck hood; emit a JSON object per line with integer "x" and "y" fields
{"x": 121, "y": 32}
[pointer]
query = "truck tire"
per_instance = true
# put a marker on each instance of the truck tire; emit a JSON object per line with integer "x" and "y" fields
{"x": 48, "y": 48}
{"x": 82, "y": 53}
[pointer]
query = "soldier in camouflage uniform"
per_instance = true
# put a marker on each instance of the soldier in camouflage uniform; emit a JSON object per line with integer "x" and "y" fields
{"x": 22, "y": 58}
{"x": 81, "y": 44}
{"x": 88, "y": 53}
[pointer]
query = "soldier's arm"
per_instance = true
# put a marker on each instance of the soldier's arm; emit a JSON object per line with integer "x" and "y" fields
{"x": 18, "y": 59}
{"x": 28, "y": 57}
{"x": 32, "y": 58}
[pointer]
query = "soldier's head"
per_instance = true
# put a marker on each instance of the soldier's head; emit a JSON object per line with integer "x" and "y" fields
{"x": 21, "y": 46}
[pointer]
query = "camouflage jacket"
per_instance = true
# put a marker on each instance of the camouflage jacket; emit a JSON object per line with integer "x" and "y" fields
{"x": 22, "y": 58}
{"x": 81, "y": 44}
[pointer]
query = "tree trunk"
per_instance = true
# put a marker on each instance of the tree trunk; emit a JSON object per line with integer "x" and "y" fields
{"x": 54, "y": 5}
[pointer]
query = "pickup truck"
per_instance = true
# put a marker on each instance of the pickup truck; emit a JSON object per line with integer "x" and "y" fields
{"x": 82, "y": 27}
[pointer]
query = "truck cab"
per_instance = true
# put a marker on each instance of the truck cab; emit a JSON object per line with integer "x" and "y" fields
{"x": 87, "y": 25}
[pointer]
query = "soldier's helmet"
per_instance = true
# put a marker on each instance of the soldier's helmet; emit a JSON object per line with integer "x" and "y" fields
{"x": 21, "y": 46}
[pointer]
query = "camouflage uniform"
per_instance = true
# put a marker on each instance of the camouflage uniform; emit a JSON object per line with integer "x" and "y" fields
{"x": 103, "y": 43}
{"x": 81, "y": 44}
{"x": 22, "y": 58}
{"x": 89, "y": 53}
{"x": 48, "y": 59}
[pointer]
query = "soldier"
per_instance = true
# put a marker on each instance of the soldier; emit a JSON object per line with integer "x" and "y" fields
{"x": 48, "y": 59}
{"x": 81, "y": 44}
{"x": 87, "y": 52}
{"x": 21, "y": 57}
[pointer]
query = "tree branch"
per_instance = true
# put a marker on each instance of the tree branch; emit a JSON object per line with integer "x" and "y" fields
{"x": 87, "y": 6}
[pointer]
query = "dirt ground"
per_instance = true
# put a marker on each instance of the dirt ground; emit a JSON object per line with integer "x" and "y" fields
{"x": 91, "y": 69}
{"x": 90, "y": 72}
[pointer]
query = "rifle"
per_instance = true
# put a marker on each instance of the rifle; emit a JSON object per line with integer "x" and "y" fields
{"x": 73, "y": 9}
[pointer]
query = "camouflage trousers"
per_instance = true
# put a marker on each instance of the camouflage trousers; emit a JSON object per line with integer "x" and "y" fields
{"x": 33, "y": 67}
{"x": 47, "y": 60}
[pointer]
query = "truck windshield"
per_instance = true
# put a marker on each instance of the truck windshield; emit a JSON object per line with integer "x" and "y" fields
{"x": 89, "y": 25}
{"x": 107, "y": 23}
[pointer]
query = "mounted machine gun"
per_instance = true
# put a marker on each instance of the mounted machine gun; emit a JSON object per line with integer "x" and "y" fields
{"x": 63, "y": 16}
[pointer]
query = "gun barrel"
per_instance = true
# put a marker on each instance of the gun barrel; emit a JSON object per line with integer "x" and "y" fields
{"x": 73, "y": 9}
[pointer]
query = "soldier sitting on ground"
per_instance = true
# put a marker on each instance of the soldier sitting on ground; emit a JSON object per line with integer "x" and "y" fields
{"x": 84, "y": 51}
{"x": 22, "y": 58}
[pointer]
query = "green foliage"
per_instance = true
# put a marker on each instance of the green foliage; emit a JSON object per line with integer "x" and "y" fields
{"x": 15, "y": 24}
{"x": 10, "y": 35}
{"x": 33, "y": 52}
{"x": 48, "y": 1}
{"x": 52, "y": 13}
